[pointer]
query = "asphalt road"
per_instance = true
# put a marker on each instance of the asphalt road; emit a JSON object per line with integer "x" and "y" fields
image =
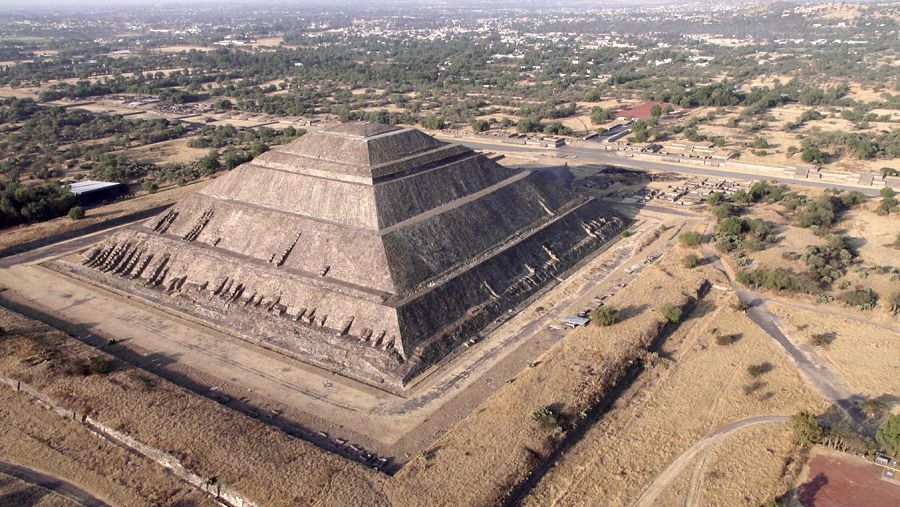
{"x": 56, "y": 485}
{"x": 598, "y": 156}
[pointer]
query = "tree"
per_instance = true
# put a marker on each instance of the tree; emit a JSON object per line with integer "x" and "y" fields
{"x": 888, "y": 434}
{"x": 149, "y": 186}
{"x": 76, "y": 213}
{"x": 887, "y": 193}
{"x": 210, "y": 163}
{"x": 604, "y": 316}
{"x": 600, "y": 115}
{"x": 806, "y": 427}
{"x": 656, "y": 111}
{"x": 671, "y": 312}
{"x": 813, "y": 155}
{"x": 690, "y": 238}
{"x": 481, "y": 125}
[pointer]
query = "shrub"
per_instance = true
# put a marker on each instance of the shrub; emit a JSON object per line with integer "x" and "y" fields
{"x": 806, "y": 428}
{"x": 778, "y": 279}
{"x": 893, "y": 302}
{"x": 888, "y": 434}
{"x": 149, "y": 186}
{"x": 873, "y": 408}
{"x": 481, "y": 125}
{"x": 822, "y": 339}
{"x": 861, "y": 298}
{"x": 813, "y": 155}
{"x": 100, "y": 365}
{"x": 690, "y": 261}
{"x": 626, "y": 233}
{"x": 604, "y": 316}
{"x": 690, "y": 238}
{"x": 548, "y": 418}
{"x": 671, "y": 312}
{"x": 76, "y": 213}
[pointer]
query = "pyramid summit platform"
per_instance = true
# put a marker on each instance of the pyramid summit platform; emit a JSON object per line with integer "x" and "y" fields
{"x": 370, "y": 250}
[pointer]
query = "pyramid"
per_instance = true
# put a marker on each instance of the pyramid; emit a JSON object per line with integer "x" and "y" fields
{"x": 370, "y": 250}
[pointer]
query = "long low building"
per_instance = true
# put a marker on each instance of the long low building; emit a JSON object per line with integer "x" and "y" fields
{"x": 92, "y": 193}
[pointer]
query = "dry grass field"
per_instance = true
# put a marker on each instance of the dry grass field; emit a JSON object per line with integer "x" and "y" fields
{"x": 750, "y": 467}
{"x": 40, "y": 439}
{"x": 166, "y": 152}
{"x": 701, "y": 384}
{"x": 868, "y": 357}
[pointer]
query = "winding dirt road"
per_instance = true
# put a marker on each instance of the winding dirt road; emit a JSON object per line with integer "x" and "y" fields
{"x": 651, "y": 492}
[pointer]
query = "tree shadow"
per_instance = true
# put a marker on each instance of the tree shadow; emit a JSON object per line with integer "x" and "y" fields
{"x": 631, "y": 311}
{"x": 728, "y": 339}
{"x": 806, "y": 492}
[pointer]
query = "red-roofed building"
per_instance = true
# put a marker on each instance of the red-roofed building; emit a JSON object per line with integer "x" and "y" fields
{"x": 640, "y": 111}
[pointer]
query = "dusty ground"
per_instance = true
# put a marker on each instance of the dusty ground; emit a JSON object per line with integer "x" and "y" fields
{"x": 839, "y": 480}
{"x": 653, "y": 423}
{"x": 176, "y": 150}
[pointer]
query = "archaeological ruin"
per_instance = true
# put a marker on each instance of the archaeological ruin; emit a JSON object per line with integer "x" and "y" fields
{"x": 370, "y": 250}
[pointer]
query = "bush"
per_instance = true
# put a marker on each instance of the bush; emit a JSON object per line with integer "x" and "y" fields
{"x": 893, "y": 302}
{"x": 690, "y": 261}
{"x": 861, "y": 298}
{"x": 822, "y": 339}
{"x": 149, "y": 186}
{"x": 813, "y": 155}
{"x": 690, "y": 238}
{"x": 76, "y": 213}
{"x": 873, "y": 408}
{"x": 548, "y": 418}
{"x": 604, "y": 316}
{"x": 671, "y": 312}
{"x": 806, "y": 427}
{"x": 778, "y": 279}
{"x": 100, "y": 365}
{"x": 481, "y": 125}
{"x": 888, "y": 434}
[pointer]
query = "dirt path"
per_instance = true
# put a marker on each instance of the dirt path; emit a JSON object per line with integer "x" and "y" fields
{"x": 650, "y": 494}
{"x": 56, "y": 485}
{"x": 815, "y": 369}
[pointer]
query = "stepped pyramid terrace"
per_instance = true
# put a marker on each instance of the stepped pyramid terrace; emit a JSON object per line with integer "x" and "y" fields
{"x": 370, "y": 250}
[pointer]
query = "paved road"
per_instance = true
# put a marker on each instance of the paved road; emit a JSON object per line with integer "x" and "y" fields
{"x": 599, "y": 156}
{"x": 650, "y": 494}
{"x": 56, "y": 485}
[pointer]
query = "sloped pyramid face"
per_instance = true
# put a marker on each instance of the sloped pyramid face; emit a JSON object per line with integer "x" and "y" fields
{"x": 368, "y": 249}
